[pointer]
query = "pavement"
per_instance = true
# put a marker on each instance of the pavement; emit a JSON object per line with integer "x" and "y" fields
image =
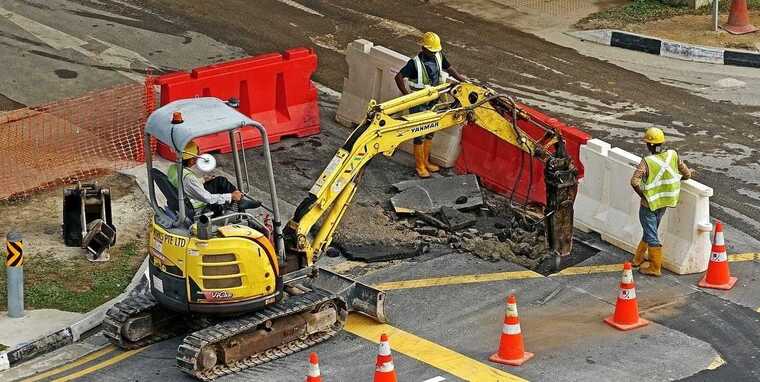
{"x": 445, "y": 308}
{"x": 34, "y": 324}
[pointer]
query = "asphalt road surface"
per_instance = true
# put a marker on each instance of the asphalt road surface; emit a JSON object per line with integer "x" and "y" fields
{"x": 719, "y": 139}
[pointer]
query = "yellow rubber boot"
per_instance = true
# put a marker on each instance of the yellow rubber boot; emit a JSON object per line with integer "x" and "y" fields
{"x": 654, "y": 268}
{"x": 427, "y": 146}
{"x": 419, "y": 161}
{"x": 638, "y": 257}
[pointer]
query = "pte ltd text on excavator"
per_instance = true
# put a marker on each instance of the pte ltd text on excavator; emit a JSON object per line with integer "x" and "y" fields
{"x": 243, "y": 293}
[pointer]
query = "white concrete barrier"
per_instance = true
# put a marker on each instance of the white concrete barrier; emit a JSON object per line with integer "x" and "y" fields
{"x": 371, "y": 72}
{"x": 606, "y": 204}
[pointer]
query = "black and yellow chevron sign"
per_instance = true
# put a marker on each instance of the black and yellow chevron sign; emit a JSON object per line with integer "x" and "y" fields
{"x": 15, "y": 253}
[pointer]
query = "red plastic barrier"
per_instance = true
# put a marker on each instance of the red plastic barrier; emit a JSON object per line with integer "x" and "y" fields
{"x": 498, "y": 163}
{"x": 274, "y": 89}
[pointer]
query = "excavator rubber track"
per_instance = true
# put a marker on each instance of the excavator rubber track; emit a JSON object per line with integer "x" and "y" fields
{"x": 190, "y": 350}
{"x": 135, "y": 305}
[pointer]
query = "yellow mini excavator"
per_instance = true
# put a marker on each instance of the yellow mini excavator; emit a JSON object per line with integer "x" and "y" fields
{"x": 247, "y": 294}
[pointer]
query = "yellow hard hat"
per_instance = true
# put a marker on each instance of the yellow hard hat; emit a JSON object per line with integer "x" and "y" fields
{"x": 654, "y": 136}
{"x": 191, "y": 151}
{"x": 431, "y": 42}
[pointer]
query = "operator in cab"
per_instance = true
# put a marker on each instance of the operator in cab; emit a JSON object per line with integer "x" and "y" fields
{"x": 425, "y": 69}
{"x": 210, "y": 193}
{"x": 657, "y": 180}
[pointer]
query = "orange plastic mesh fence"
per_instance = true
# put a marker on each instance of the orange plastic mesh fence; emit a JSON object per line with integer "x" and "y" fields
{"x": 74, "y": 139}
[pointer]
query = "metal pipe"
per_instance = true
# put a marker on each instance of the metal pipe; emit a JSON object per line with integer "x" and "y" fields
{"x": 236, "y": 159}
{"x": 277, "y": 221}
{"x": 203, "y": 227}
{"x": 149, "y": 167}
{"x": 716, "y": 14}
{"x": 14, "y": 272}
{"x": 181, "y": 190}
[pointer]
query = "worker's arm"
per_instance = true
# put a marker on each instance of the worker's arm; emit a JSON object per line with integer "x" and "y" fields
{"x": 196, "y": 191}
{"x": 400, "y": 83}
{"x": 454, "y": 73}
{"x": 686, "y": 173}
{"x": 638, "y": 175}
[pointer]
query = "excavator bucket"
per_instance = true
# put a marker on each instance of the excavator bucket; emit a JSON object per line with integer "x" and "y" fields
{"x": 359, "y": 297}
{"x": 561, "y": 189}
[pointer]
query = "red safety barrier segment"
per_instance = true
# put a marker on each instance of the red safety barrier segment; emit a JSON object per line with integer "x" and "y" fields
{"x": 274, "y": 89}
{"x": 498, "y": 163}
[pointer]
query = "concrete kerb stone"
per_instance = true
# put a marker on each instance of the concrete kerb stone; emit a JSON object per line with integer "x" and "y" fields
{"x": 72, "y": 333}
{"x": 667, "y": 48}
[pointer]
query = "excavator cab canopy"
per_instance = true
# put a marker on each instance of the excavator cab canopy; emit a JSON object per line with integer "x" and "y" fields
{"x": 200, "y": 117}
{"x": 178, "y": 123}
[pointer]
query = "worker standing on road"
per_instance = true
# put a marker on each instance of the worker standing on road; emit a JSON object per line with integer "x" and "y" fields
{"x": 425, "y": 69}
{"x": 211, "y": 193}
{"x": 657, "y": 180}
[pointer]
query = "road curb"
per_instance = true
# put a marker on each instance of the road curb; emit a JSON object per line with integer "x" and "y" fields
{"x": 72, "y": 333}
{"x": 667, "y": 48}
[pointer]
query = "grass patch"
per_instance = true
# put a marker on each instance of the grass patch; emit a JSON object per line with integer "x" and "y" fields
{"x": 3, "y": 347}
{"x": 642, "y": 11}
{"x": 76, "y": 285}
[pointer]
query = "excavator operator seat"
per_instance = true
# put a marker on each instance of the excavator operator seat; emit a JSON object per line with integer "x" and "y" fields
{"x": 170, "y": 192}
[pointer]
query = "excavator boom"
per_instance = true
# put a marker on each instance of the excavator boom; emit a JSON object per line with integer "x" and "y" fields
{"x": 385, "y": 128}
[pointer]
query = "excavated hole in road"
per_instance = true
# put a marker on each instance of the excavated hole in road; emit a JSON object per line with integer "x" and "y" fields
{"x": 501, "y": 233}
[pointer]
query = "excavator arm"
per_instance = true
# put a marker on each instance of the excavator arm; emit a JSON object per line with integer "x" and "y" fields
{"x": 386, "y": 127}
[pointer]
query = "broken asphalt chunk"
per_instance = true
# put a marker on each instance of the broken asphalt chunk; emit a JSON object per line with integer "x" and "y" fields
{"x": 429, "y": 195}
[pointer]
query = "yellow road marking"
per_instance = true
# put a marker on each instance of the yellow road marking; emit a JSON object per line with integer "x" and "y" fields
{"x": 428, "y": 352}
{"x": 584, "y": 270}
{"x": 717, "y": 362}
{"x": 96, "y": 367}
{"x": 464, "y": 279}
{"x": 77, "y": 363}
{"x": 517, "y": 275}
{"x": 744, "y": 257}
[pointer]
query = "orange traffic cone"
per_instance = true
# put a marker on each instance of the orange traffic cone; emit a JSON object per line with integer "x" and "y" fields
{"x": 626, "y": 315}
{"x": 738, "y": 19}
{"x": 384, "y": 370}
{"x": 314, "y": 374}
{"x": 718, "y": 275}
{"x": 511, "y": 347}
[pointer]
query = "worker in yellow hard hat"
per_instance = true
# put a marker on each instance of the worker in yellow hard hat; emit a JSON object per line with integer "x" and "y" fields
{"x": 657, "y": 180}
{"x": 425, "y": 69}
{"x": 210, "y": 193}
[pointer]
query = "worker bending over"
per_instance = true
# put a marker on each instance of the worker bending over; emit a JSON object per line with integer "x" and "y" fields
{"x": 425, "y": 69}
{"x": 657, "y": 180}
{"x": 210, "y": 193}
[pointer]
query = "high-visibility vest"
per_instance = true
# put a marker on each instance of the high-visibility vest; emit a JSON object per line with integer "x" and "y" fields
{"x": 663, "y": 183}
{"x": 423, "y": 79}
{"x": 171, "y": 174}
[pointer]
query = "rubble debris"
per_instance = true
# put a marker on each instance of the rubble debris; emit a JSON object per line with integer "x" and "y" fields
{"x": 427, "y": 230}
{"x": 456, "y": 220}
{"x": 431, "y": 220}
{"x": 429, "y": 195}
{"x": 375, "y": 252}
{"x": 332, "y": 252}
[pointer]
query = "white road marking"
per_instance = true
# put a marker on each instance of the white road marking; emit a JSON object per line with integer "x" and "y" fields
{"x": 50, "y": 36}
{"x": 301, "y": 7}
{"x": 435, "y": 379}
{"x": 114, "y": 56}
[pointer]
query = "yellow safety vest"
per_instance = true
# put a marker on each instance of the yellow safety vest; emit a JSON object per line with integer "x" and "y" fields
{"x": 663, "y": 184}
{"x": 423, "y": 79}
{"x": 171, "y": 174}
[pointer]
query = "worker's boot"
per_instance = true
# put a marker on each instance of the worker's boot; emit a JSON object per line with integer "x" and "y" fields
{"x": 428, "y": 145}
{"x": 638, "y": 257}
{"x": 655, "y": 262}
{"x": 419, "y": 161}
